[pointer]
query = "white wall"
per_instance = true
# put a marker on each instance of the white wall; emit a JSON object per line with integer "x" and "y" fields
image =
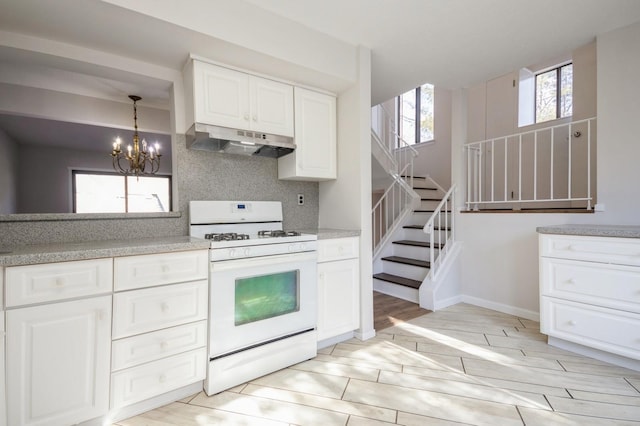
{"x": 500, "y": 251}
{"x": 434, "y": 158}
{"x": 345, "y": 203}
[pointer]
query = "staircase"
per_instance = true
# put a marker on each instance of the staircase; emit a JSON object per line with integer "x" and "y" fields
{"x": 413, "y": 228}
{"x": 406, "y": 263}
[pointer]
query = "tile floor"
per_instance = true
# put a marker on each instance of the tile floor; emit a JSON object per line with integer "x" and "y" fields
{"x": 461, "y": 365}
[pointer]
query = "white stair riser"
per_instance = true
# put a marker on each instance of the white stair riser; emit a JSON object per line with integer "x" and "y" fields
{"x": 429, "y": 204}
{"x": 422, "y": 218}
{"x": 395, "y": 290}
{"x": 419, "y": 235}
{"x": 404, "y": 270}
{"x": 412, "y": 252}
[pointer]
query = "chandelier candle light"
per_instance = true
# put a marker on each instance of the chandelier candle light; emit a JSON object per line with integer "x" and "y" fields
{"x": 141, "y": 159}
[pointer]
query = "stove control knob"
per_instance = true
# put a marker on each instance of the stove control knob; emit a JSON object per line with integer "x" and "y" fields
{"x": 302, "y": 246}
{"x": 247, "y": 252}
{"x": 232, "y": 252}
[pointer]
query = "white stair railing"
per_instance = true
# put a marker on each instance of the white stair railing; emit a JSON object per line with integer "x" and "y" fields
{"x": 442, "y": 220}
{"x": 545, "y": 165}
{"x": 399, "y": 197}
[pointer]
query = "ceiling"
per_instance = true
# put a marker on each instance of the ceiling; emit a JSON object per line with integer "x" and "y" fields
{"x": 451, "y": 43}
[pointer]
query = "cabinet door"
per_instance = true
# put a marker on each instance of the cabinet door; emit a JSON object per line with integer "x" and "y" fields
{"x": 58, "y": 362}
{"x": 221, "y": 96}
{"x": 338, "y": 298}
{"x": 3, "y": 407}
{"x": 271, "y": 106}
{"x": 315, "y": 137}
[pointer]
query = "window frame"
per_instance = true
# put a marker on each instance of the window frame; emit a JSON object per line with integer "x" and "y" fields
{"x": 558, "y": 71}
{"x": 75, "y": 172}
{"x": 418, "y": 106}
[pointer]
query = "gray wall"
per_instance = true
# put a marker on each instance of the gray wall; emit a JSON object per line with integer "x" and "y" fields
{"x": 200, "y": 176}
{"x": 8, "y": 174}
{"x": 44, "y": 176}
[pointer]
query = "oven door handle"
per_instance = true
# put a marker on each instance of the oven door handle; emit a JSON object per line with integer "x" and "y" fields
{"x": 225, "y": 265}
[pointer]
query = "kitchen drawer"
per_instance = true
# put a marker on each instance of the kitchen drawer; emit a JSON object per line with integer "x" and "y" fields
{"x": 57, "y": 281}
{"x": 338, "y": 249}
{"x": 147, "y": 347}
{"x": 612, "y": 286}
{"x": 622, "y": 251}
{"x": 601, "y": 328}
{"x": 131, "y": 272}
{"x": 155, "y": 378}
{"x": 141, "y": 311}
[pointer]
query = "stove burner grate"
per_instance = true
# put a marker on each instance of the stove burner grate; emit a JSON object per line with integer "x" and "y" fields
{"x": 278, "y": 233}
{"x": 227, "y": 236}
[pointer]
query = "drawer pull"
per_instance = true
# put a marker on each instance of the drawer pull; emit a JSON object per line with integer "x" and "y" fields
{"x": 164, "y": 307}
{"x": 571, "y": 281}
{"x": 571, "y": 322}
{"x": 162, "y": 378}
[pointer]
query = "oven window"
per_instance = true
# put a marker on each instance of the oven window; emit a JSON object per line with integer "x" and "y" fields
{"x": 267, "y": 296}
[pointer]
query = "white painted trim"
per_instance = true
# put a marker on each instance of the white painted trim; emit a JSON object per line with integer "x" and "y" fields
{"x": 335, "y": 339}
{"x": 365, "y": 335}
{"x": 146, "y": 405}
{"x": 511, "y": 310}
{"x": 621, "y": 361}
{"x": 445, "y": 303}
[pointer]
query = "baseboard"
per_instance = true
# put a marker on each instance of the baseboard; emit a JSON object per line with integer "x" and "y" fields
{"x": 444, "y": 303}
{"x": 336, "y": 339}
{"x": 365, "y": 334}
{"x": 506, "y": 309}
{"x": 614, "y": 359}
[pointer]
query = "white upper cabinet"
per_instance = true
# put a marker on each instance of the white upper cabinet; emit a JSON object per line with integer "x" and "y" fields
{"x": 229, "y": 98}
{"x": 315, "y": 137}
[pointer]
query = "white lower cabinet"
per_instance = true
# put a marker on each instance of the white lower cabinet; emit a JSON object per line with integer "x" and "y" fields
{"x": 338, "y": 287}
{"x": 590, "y": 292}
{"x": 159, "y": 330}
{"x": 58, "y": 362}
{"x": 3, "y": 406}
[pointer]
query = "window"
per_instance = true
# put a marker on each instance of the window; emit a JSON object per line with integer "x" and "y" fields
{"x": 95, "y": 192}
{"x": 415, "y": 114}
{"x": 554, "y": 93}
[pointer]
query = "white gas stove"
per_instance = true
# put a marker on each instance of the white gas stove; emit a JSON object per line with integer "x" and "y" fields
{"x": 241, "y": 229}
{"x": 262, "y": 290}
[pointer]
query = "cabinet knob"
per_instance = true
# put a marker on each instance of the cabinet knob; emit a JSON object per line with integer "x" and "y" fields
{"x": 164, "y": 307}
{"x": 321, "y": 276}
{"x": 571, "y": 281}
{"x": 571, "y": 322}
{"x": 101, "y": 315}
{"x": 246, "y": 117}
{"x": 164, "y": 346}
{"x": 59, "y": 282}
{"x": 255, "y": 118}
{"x": 162, "y": 378}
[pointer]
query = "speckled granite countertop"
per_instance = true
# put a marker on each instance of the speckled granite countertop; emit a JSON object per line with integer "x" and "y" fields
{"x": 62, "y": 252}
{"x": 621, "y": 231}
{"x": 326, "y": 233}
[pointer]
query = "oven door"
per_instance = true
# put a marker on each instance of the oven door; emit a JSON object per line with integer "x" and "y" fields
{"x": 258, "y": 300}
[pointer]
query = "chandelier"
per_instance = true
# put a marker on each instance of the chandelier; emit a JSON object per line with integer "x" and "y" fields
{"x": 139, "y": 159}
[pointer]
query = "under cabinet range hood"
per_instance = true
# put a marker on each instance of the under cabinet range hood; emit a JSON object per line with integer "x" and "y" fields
{"x": 206, "y": 137}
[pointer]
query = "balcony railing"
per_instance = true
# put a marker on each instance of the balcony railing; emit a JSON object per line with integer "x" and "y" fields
{"x": 542, "y": 168}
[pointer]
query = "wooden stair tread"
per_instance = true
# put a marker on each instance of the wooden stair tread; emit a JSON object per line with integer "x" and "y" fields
{"x": 416, "y": 243}
{"x": 407, "y": 261}
{"x": 430, "y": 211}
{"x": 436, "y": 228}
{"x": 407, "y": 282}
